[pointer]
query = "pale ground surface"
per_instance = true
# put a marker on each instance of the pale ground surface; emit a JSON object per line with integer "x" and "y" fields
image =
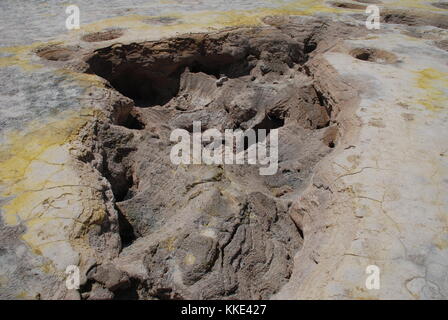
{"x": 388, "y": 178}
{"x": 396, "y": 177}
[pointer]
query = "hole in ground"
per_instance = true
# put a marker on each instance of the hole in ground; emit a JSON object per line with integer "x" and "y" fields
{"x": 102, "y": 35}
{"x": 158, "y": 71}
{"x": 134, "y": 122}
{"x": 271, "y": 121}
{"x": 121, "y": 183}
{"x": 117, "y": 169}
{"x": 56, "y": 53}
{"x": 409, "y": 18}
{"x": 440, "y": 5}
{"x": 374, "y": 55}
{"x": 126, "y": 230}
{"x": 345, "y": 5}
{"x": 128, "y": 293}
{"x": 154, "y": 79}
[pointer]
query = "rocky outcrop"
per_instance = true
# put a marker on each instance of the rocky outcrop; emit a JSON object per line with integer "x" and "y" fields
{"x": 201, "y": 231}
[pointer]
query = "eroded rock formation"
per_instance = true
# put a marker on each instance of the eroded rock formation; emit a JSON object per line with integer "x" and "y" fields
{"x": 204, "y": 231}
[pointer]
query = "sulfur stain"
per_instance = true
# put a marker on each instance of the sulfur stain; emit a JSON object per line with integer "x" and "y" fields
{"x": 23, "y": 296}
{"x": 44, "y": 192}
{"x": 189, "y": 259}
{"x": 169, "y": 244}
{"x": 21, "y": 149}
{"x": 435, "y": 84}
{"x": 441, "y": 241}
{"x": 213, "y": 19}
{"x": 85, "y": 80}
{"x": 189, "y": 22}
{"x": 21, "y": 55}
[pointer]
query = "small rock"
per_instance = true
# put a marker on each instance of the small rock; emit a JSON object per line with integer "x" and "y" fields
{"x": 109, "y": 276}
{"x": 221, "y": 81}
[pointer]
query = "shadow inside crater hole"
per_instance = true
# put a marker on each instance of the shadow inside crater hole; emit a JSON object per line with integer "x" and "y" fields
{"x": 133, "y": 122}
{"x": 271, "y": 121}
{"x": 150, "y": 84}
